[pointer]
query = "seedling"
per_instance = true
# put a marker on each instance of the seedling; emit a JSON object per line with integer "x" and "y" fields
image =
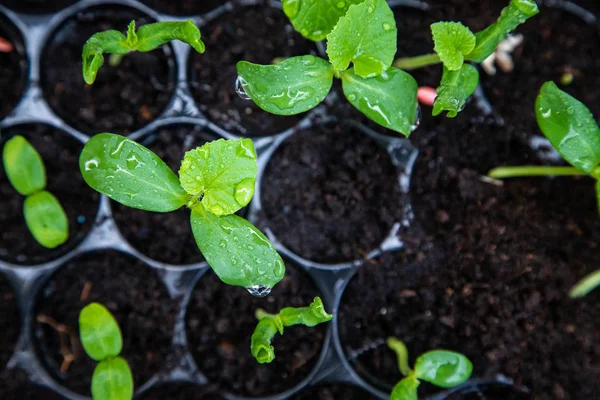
{"x": 573, "y": 132}
{"x": 147, "y": 38}
{"x": 102, "y": 340}
{"x": 44, "y": 215}
{"x": 215, "y": 181}
{"x": 443, "y": 368}
{"x": 270, "y": 324}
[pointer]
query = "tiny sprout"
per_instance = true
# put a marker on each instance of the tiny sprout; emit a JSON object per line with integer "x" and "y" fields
{"x": 44, "y": 215}
{"x": 147, "y": 38}
{"x": 442, "y": 368}
{"x": 101, "y": 339}
{"x": 271, "y": 324}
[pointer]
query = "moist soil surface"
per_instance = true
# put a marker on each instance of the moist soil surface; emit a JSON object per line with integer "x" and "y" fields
{"x": 256, "y": 34}
{"x": 124, "y": 97}
{"x": 180, "y": 391}
{"x": 16, "y": 386}
{"x": 333, "y": 392}
{"x": 220, "y": 322}
{"x": 331, "y": 193}
{"x": 13, "y": 67}
{"x": 184, "y": 7}
{"x": 134, "y": 294}
{"x": 165, "y": 237}
{"x": 60, "y": 153}
{"x": 37, "y": 6}
{"x": 9, "y": 320}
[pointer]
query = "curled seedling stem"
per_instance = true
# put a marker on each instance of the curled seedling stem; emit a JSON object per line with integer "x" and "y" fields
{"x": 69, "y": 342}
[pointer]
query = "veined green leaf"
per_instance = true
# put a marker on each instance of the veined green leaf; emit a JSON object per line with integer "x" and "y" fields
{"x": 99, "y": 332}
{"x": 152, "y": 36}
{"x": 365, "y": 36}
{"x": 131, "y": 174}
{"x": 455, "y": 89}
{"x": 443, "y": 368}
{"x": 569, "y": 126}
{"x": 112, "y": 380}
{"x": 24, "y": 166}
{"x": 223, "y": 173}
{"x": 453, "y": 41}
{"x": 291, "y": 87}
{"x": 406, "y": 389}
{"x": 236, "y": 250}
{"x": 389, "y": 99}
{"x": 314, "y": 19}
{"x": 46, "y": 219}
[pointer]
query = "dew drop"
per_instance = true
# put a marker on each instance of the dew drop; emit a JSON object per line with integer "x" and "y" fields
{"x": 417, "y": 119}
{"x": 547, "y": 113}
{"x": 240, "y": 83}
{"x": 352, "y": 97}
{"x": 244, "y": 192}
{"x": 89, "y": 165}
{"x": 570, "y": 111}
{"x": 387, "y": 26}
{"x": 223, "y": 244}
{"x": 341, "y": 4}
{"x": 370, "y": 10}
{"x": 259, "y": 290}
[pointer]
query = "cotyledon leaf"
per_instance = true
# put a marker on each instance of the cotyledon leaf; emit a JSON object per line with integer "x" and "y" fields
{"x": 131, "y": 174}
{"x": 112, "y": 380}
{"x": 99, "y": 332}
{"x": 24, "y": 166}
{"x": 443, "y": 368}
{"x": 291, "y": 87}
{"x": 455, "y": 88}
{"x": 223, "y": 172}
{"x": 46, "y": 219}
{"x": 406, "y": 389}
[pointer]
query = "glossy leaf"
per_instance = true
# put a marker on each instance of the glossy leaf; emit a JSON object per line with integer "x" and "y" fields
{"x": 314, "y": 19}
{"x": 365, "y": 36}
{"x": 131, "y": 174}
{"x": 152, "y": 36}
{"x": 452, "y": 41}
{"x": 443, "y": 368}
{"x": 24, "y": 166}
{"x": 223, "y": 173}
{"x": 511, "y": 17}
{"x": 99, "y": 332}
{"x": 588, "y": 283}
{"x": 260, "y": 342}
{"x": 310, "y": 316}
{"x": 406, "y": 389}
{"x": 569, "y": 126}
{"x": 291, "y": 87}
{"x": 455, "y": 88}
{"x": 389, "y": 99}
{"x": 112, "y": 380}
{"x": 236, "y": 250}
{"x": 46, "y": 219}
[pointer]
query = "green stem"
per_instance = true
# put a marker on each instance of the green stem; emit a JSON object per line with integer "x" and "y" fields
{"x": 408, "y": 63}
{"x": 402, "y": 352}
{"x": 586, "y": 285}
{"x": 532, "y": 170}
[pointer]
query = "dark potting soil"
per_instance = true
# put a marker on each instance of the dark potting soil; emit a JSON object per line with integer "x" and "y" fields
{"x": 180, "y": 391}
{"x": 244, "y": 34}
{"x": 37, "y": 6}
{"x": 124, "y": 97}
{"x": 490, "y": 392}
{"x": 333, "y": 392}
{"x": 13, "y": 67}
{"x": 165, "y": 237}
{"x": 9, "y": 321}
{"x": 16, "y": 386}
{"x": 60, "y": 153}
{"x": 131, "y": 290}
{"x": 184, "y": 7}
{"x": 331, "y": 194}
{"x": 220, "y": 322}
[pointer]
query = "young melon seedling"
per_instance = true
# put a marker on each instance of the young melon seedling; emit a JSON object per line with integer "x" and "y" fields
{"x": 147, "y": 38}
{"x": 44, "y": 215}
{"x": 573, "y": 132}
{"x": 215, "y": 181}
{"x": 443, "y": 368}
{"x": 271, "y": 324}
{"x": 101, "y": 338}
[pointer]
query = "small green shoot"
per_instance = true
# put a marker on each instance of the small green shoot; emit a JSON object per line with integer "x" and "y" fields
{"x": 271, "y": 324}
{"x": 147, "y": 38}
{"x": 44, "y": 215}
{"x": 215, "y": 181}
{"x": 101, "y": 338}
{"x": 443, "y": 368}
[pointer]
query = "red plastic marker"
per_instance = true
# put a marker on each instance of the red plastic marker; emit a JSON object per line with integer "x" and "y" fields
{"x": 5, "y": 46}
{"x": 426, "y": 95}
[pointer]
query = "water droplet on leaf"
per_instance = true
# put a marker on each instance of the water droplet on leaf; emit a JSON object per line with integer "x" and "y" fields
{"x": 240, "y": 83}
{"x": 259, "y": 290}
{"x": 244, "y": 192}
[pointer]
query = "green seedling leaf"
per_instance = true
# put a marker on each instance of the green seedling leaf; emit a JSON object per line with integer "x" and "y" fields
{"x": 291, "y": 87}
{"x": 223, "y": 173}
{"x": 365, "y": 36}
{"x": 99, "y": 332}
{"x": 455, "y": 89}
{"x": 314, "y": 19}
{"x": 112, "y": 380}
{"x": 236, "y": 250}
{"x": 131, "y": 174}
{"x": 147, "y": 38}
{"x": 406, "y": 389}
{"x": 389, "y": 99}
{"x": 453, "y": 41}
{"x": 587, "y": 284}
{"x": 443, "y": 368}
{"x": 569, "y": 126}
{"x": 24, "y": 166}
{"x": 269, "y": 325}
{"x": 511, "y": 17}
{"x": 46, "y": 219}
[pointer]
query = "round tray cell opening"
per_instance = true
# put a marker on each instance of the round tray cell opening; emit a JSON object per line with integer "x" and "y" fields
{"x": 181, "y": 391}
{"x": 124, "y": 97}
{"x": 9, "y": 319}
{"x": 134, "y": 294}
{"x": 331, "y": 194}
{"x": 184, "y": 7}
{"x": 334, "y": 392}
{"x": 37, "y": 6}
{"x": 221, "y": 320}
{"x": 13, "y": 66}
{"x": 243, "y": 34}
{"x": 60, "y": 154}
